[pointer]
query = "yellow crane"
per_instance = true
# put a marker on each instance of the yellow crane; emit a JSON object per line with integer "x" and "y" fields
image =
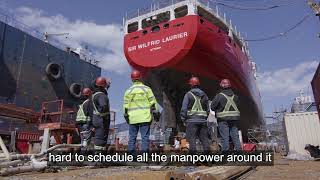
{"x": 47, "y": 35}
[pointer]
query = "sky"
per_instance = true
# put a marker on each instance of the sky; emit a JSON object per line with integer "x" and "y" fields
{"x": 285, "y": 65}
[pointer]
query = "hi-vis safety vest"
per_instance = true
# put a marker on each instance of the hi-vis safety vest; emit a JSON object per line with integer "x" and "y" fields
{"x": 95, "y": 110}
{"x": 197, "y": 107}
{"x": 81, "y": 117}
{"x": 138, "y": 100}
{"x": 226, "y": 111}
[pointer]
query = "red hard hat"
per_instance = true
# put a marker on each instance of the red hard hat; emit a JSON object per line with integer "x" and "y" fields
{"x": 136, "y": 75}
{"x": 86, "y": 92}
{"x": 102, "y": 82}
{"x": 194, "y": 81}
{"x": 225, "y": 83}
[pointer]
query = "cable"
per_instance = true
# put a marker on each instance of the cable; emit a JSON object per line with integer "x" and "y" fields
{"x": 250, "y": 8}
{"x": 283, "y": 33}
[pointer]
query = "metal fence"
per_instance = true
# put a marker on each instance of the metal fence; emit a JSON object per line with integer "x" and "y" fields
{"x": 153, "y": 7}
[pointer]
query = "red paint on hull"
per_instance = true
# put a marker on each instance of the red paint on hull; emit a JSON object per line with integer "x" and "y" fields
{"x": 199, "y": 48}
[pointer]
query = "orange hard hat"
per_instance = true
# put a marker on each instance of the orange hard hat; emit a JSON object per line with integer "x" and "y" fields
{"x": 136, "y": 75}
{"x": 102, "y": 82}
{"x": 225, "y": 83}
{"x": 86, "y": 92}
{"x": 194, "y": 81}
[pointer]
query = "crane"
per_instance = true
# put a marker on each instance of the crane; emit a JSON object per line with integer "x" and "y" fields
{"x": 47, "y": 35}
{"x": 316, "y": 9}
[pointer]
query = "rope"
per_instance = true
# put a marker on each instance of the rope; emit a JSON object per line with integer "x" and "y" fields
{"x": 283, "y": 33}
{"x": 250, "y": 8}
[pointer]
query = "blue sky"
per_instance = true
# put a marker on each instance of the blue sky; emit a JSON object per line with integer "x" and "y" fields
{"x": 285, "y": 65}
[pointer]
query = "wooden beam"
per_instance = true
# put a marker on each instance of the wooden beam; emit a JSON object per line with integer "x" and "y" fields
{"x": 45, "y": 140}
{"x": 12, "y": 147}
{"x": 4, "y": 149}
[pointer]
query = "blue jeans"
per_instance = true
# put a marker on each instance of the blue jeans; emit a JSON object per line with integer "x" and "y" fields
{"x": 229, "y": 129}
{"x": 133, "y": 132}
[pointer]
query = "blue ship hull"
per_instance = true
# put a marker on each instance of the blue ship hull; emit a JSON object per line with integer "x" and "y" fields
{"x": 33, "y": 71}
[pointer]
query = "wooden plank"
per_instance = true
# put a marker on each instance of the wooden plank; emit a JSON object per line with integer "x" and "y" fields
{"x": 192, "y": 174}
{"x": 230, "y": 172}
{"x": 57, "y": 126}
{"x": 216, "y": 172}
{"x": 4, "y": 149}
{"x": 13, "y": 141}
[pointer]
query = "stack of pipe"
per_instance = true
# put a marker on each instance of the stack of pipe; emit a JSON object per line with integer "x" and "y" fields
{"x": 28, "y": 162}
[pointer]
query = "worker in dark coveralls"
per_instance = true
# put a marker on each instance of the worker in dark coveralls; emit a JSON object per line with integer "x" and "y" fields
{"x": 101, "y": 113}
{"x": 140, "y": 108}
{"x": 226, "y": 104}
{"x": 84, "y": 117}
{"x": 194, "y": 114}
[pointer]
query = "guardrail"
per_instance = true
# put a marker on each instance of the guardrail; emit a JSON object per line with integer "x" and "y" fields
{"x": 12, "y": 20}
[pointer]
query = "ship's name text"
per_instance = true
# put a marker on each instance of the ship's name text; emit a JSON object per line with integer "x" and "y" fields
{"x": 158, "y": 42}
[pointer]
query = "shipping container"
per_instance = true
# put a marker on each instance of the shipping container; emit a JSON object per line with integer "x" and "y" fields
{"x": 315, "y": 83}
{"x": 301, "y": 129}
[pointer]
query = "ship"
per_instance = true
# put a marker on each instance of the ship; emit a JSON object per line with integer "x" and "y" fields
{"x": 174, "y": 40}
{"x": 35, "y": 71}
{"x": 315, "y": 84}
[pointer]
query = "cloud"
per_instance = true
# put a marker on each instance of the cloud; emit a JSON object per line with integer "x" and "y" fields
{"x": 106, "y": 41}
{"x": 287, "y": 81}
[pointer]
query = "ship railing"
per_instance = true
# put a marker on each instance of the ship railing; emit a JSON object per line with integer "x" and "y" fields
{"x": 12, "y": 20}
{"x": 208, "y": 5}
{"x": 160, "y": 4}
{"x": 153, "y": 7}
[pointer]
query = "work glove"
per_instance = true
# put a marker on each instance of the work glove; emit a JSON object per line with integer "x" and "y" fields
{"x": 126, "y": 117}
{"x": 155, "y": 113}
{"x": 183, "y": 120}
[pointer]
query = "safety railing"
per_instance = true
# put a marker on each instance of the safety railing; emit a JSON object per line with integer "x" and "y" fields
{"x": 12, "y": 20}
{"x": 153, "y": 7}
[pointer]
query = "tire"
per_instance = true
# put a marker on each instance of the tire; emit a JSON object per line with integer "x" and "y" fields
{"x": 54, "y": 71}
{"x": 75, "y": 90}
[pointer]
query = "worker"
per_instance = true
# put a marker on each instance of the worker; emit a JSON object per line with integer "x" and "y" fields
{"x": 101, "y": 113}
{"x": 226, "y": 104}
{"x": 84, "y": 117}
{"x": 194, "y": 114}
{"x": 140, "y": 108}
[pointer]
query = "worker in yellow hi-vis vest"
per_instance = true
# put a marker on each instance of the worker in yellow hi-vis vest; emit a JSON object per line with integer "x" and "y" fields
{"x": 140, "y": 108}
{"x": 194, "y": 113}
{"x": 84, "y": 117}
{"x": 226, "y": 106}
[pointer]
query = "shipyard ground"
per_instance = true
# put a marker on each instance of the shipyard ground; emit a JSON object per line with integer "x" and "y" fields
{"x": 283, "y": 169}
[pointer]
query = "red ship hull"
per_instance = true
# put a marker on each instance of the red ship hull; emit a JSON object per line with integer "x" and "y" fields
{"x": 193, "y": 46}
